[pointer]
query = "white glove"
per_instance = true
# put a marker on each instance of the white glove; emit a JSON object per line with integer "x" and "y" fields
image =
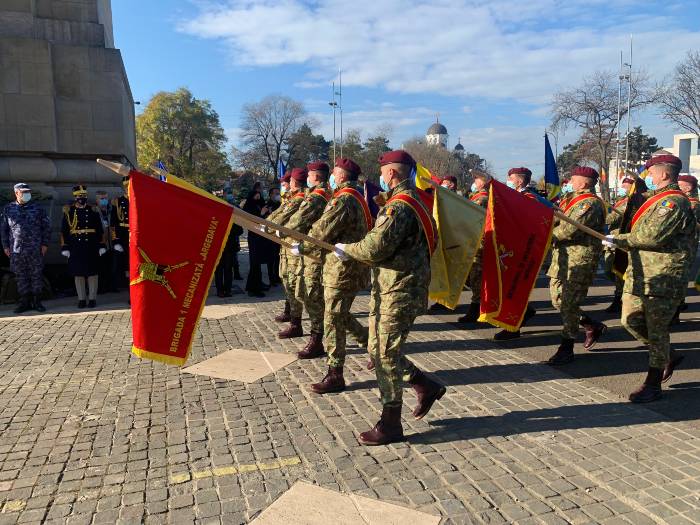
{"x": 262, "y": 228}
{"x": 295, "y": 249}
{"x": 102, "y": 251}
{"x": 609, "y": 241}
{"x": 339, "y": 252}
{"x": 118, "y": 248}
{"x": 65, "y": 253}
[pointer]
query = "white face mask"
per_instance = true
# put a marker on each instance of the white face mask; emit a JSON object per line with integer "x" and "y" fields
{"x": 26, "y": 197}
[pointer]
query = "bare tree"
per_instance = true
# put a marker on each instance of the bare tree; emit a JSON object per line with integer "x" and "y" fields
{"x": 438, "y": 160}
{"x": 268, "y": 125}
{"x": 592, "y": 107}
{"x": 679, "y": 98}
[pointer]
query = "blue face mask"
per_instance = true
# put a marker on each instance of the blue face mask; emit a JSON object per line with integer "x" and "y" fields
{"x": 309, "y": 184}
{"x": 104, "y": 202}
{"x": 283, "y": 189}
{"x": 649, "y": 182}
{"x": 474, "y": 188}
{"x": 332, "y": 182}
{"x": 567, "y": 188}
{"x": 622, "y": 192}
{"x": 383, "y": 185}
{"x": 511, "y": 185}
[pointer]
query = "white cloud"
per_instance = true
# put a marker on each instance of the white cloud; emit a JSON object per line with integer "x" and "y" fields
{"x": 497, "y": 49}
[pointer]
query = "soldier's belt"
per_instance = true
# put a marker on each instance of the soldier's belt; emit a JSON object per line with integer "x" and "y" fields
{"x": 77, "y": 232}
{"x": 124, "y": 224}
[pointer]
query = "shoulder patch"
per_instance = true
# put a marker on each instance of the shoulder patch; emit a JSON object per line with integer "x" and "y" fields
{"x": 668, "y": 203}
{"x": 390, "y": 211}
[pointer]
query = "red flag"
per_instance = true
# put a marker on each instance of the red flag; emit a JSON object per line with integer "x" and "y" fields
{"x": 517, "y": 233}
{"x": 177, "y": 234}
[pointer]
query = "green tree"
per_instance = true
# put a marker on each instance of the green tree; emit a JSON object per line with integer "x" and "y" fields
{"x": 185, "y": 134}
{"x": 373, "y": 148}
{"x": 304, "y": 147}
{"x": 641, "y": 145}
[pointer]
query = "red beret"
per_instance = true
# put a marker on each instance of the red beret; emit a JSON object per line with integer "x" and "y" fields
{"x": 584, "y": 171}
{"x": 664, "y": 159}
{"x": 398, "y": 156}
{"x": 451, "y": 178}
{"x": 318, "y": 166}
{"x": 689, "y": 179}
{"x": 299, "y": 174}
{"x": 627, "y": 180}
{"x": 287, "y": 177}
{"x": 520, "y": 171}
{"x": 348, "y": 165}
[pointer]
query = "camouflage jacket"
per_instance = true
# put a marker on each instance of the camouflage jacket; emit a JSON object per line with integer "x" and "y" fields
{"x": 282, "y": 215}
{"x": 575, "y": 252}
{"x": 658, "y": 246}
{"x": 614, "y": 219}
{"x": 695, "y": 205}
{"x": 398, "y": 250}
{"x": 343, "y": 220}
{"x": 24, "y": 227}
{"x": 480, "y": 198}
{"x": 308, "y": 212}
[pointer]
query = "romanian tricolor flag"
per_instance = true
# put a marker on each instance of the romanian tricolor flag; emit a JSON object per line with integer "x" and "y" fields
{"x": 517, "y": 233}
{"x": 177, "y": 233}
{"x": 460, "y": 225}
{"x": 551, "y": 173}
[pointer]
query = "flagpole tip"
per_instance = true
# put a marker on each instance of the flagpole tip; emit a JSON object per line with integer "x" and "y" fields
{"x": 116, "y": 167}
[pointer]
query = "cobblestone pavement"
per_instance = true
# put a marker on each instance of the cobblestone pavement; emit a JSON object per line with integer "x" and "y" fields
{"x": 90, "y": 434}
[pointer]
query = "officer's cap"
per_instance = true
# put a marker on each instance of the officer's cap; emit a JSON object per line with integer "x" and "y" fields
{"x": 22, "y": 186}
{"x": 79, "y": 191}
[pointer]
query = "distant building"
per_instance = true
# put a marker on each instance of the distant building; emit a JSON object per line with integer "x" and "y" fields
{"x": 437, "y": 135}
{"x": 685, "y": 147}
{"x": 459, "y": 149}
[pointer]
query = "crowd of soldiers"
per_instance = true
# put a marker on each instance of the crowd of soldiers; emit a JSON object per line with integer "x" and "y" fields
{"x": 88, "y": 232}
{"x": 393, "y": 254}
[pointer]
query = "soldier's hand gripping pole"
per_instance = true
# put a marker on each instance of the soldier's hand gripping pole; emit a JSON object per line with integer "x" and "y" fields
{"x": 585, "y": 229}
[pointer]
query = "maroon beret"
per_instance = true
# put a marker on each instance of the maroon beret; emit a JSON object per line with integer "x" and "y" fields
{"x": 318, "y": 166}
{"x": 398, "y": 156}
{"x": 299, "y": 174}
{"x": 287, "y": 177}
{"x": 584, "y": 171}
{"x": 627, "y": 180}
{"x": 348, "y": 165}
{"x": 520, "y": 171}
{"x": 663, "y": 159}
{"x": 450, "y": 178}
{"x": 689, "y": 179}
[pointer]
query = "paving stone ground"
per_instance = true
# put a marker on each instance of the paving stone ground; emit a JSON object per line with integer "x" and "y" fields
{"x": 91, "y": 434}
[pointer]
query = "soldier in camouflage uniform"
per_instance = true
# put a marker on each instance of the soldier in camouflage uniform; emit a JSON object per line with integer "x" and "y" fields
{"x": 398, "y": 249}
{"x": 688, "y": 184}
{"x": 310, "y": 290}
{"x": 575, "y": 257}
{"x": 25, "y": 233}
{"x": 480, "y": 196}
{"x": 657, "y": 275}
{"x": 519, "y": 180}
{"x": 346, "y": 219}
{"x": 285, "y": 198}
{"x": 291, "y": 267}
{"x": 613, "y": 221}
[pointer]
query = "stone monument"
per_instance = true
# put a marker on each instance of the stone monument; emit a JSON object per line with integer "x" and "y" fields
{"x": 64, "y": 101}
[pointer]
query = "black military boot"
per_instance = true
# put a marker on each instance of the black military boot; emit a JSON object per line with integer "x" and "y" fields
{"x": 427, "y": 391}
{"x": 82, "y": 303}
{"x": 293, "y": 330}
{"x": 650, "y": 389}
{"x": 387, "y": 430}
{"x": 616, "y": 306}
{"x": 24, "y": 305}
{"x": 594, "y": 330}
{"x": 505, "y": 335}
{"x": 472, "y": 314}
{"x": 36, "y": 304}
{"x": 313, "y": 349}
{"x": 674, "y": 361}
{"x": 332, "y": 382}
{"x": 564, "y": 354}
{"x": 437, "y": 307}
{"x": 284, "y": 317}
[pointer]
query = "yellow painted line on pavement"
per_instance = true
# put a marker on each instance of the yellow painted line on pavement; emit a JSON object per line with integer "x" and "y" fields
{"x": 183, "y": 477}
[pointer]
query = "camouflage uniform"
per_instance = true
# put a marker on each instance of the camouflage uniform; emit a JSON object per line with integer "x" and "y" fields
{"x": 290, "y": 266}
{"x": 575, "y": 257}
{"x": 343, "y": 221}
{"x": 25, "y": 229}
{"x": 613, "y": 221}
{"x": 309, "y": 290}
{"x": 399, "y": 254}
{"x": 474, "y": 279}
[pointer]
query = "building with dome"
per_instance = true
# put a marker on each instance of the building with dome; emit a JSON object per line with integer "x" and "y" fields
{"x": 437, "y": 135}
{"x": 459, "y": 149}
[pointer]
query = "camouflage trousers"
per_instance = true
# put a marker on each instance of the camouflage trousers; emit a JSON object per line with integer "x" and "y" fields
{"x": 608, "y": 260}
{"x": 337, "y": 322}
{"x": 387, "y": 334}
{"x": 474, "y": 280}
{"x": 290, "y": 281}
{"x": 311, "y": 294}
{"x": 647, "y": 318}
{"x": 567, "y": 297}
{"x": 28, "y": 269}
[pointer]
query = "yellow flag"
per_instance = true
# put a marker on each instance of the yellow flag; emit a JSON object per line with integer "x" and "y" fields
{"x": 423, "y": 175}
{"x": 460, "y": 226}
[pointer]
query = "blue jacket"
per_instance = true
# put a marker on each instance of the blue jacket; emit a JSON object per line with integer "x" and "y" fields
{"x": 24, "y": 227}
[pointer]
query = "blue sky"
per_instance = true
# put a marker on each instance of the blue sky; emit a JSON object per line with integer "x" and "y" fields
{"x": 488, "y": 68}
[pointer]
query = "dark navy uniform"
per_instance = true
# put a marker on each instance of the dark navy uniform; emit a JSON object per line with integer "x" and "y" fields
{"x": 119, "y": 228}
{"x": 82, "y": 235}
